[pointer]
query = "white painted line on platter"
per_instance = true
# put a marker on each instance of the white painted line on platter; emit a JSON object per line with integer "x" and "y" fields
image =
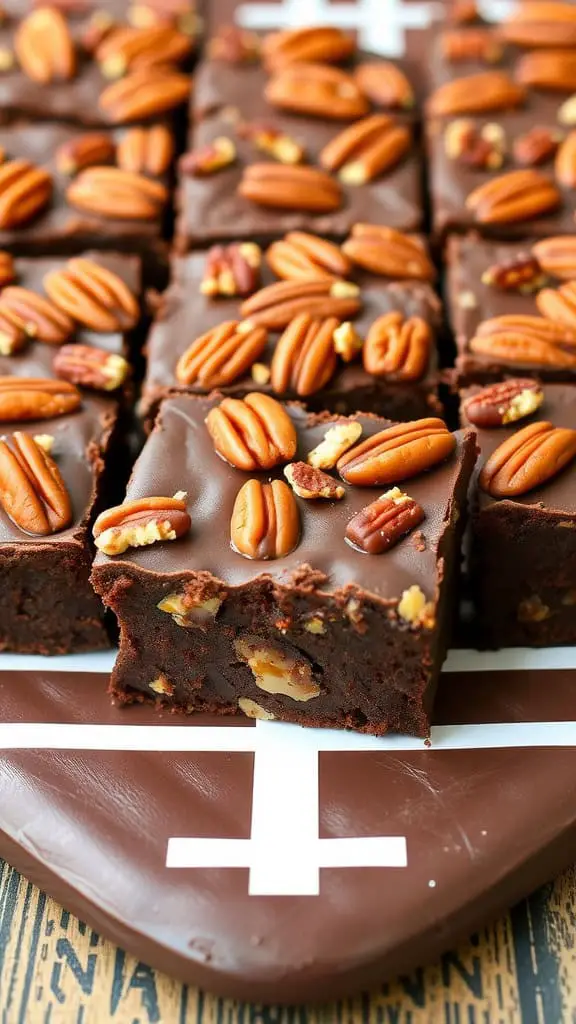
{"x": 380, "y": 24}
{"x": 98, "y": 661}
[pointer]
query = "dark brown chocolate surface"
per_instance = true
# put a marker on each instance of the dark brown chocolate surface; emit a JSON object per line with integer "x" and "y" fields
{"x": 210, "y": 209}
{"x": 185, "y": 314}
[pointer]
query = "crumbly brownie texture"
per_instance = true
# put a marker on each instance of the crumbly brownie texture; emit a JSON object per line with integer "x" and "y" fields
{"x": 230, "y": 102}
{"x": 325, "y": 615}
{"x": 523, "y": 556}
{"x": 185, "y": 313}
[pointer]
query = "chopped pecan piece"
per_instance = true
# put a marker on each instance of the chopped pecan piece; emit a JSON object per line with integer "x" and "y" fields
{"x": 127, "y": 48}
{"x": 300, "y": 256}
{"x": 311, "y": 483}
{"x": 276, "y": 305}
{"x": 316, "y": 90}
{"x": 415, "y": 609}
{"x": 397, "y": 453}
{"x": 272, "y": 140}
{"x": 32, "y": 491}
{"x": 34, "y": 398}
{"x": 84, "y": 151}
{"x": 265, "y": 520}
{"x": 277, "y": 672}
{"x": 141, "y": 522}
{"x": 304, "y": 359}
{"x": 473, "y": 146}
{"x": 519, "y": 273}
{"x": 209, "y": 159}
{"x": 93, "y": 295}
{"x": 501, "y": 404}
{"x": 347, "y": 342}
{"x": 91, "y": 367}
{"x": 222, "y": 354}
{"x": 234, "y": 45}
{"x": 528, "y": 459}
{"x": 232, "y": 269}
{"x": 384, "y": 522}
{"x": 366, "y": 149}
{"x": 536, "y": 146}
{"x": 337, "y": 440}
{"x": 252, "y": 433}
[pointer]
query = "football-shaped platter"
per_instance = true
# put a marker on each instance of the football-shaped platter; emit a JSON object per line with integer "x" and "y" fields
{"x": 275, "y": 863}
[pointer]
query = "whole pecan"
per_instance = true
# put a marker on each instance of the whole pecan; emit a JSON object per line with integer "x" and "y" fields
{"x": 265, "y": 520}
{"x": 481, "y": 93}
{"x": 526, "y": 340}
{"x": 290, "y": 187}
{"x": 540, "y": 23}
{"x": 471, "y": 44}
{"x": 44, "y": 46}
{"x": 559, "y": 304}
{"x": 272, "y": 140}
{"x": 550, "y": 69}
{"x": 82, "y": 151}
{"x": 515, "y": 196}
{"x": 519, "y": 273}
{"x": 366, "y": 149}
{"x": 277, "y": 304}
{"x": 7, "y": 268}
{"x": 388, "y": 252}
{"x": 126, "y": 48}
{"x": 112, "y": 192}
{"x": 32, "y": 491}
{"x": 557, "y": 256}
{"x": 93, "y": 295}
{"x": 91, "y": 367}
{"x": 528, "y": 459}
{"x": 478, "y": 146}
{"x": 233, "y": 45}
{"x": 208, "y": 159}
{"x": 146, "y": 150}
{"x": 384, "y": 522}
{"x": 397, "y": 348}
{"x": 304, "y": 359}
{"x": 24, "y": 192}
{"x": 316, "y": 90}
{"x": 501, "y": 404}
{"x": 385, "y": 84}
{"x": 397, "y": 453}
{"x": 222, "y": 354}
{"x": 232, "y": 269}
{"x": 565, "y": 163}
{"x": 303, "y": 257}
{"x": 42, "y": 319}
{"x": 33, "y": 398}
{"x": 144, "y": 94}
{"x": 536, "y": 146}
{"x": 252, "y": 433}
{"x": 317, "y": 43}
{"x": 141, "y": 522}
{"x": 312, "y": 484}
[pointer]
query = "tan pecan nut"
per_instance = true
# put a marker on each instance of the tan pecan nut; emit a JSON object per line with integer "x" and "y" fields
{"x": 82, "y": 151}
{"x": 276, "y": 305}
{"x": 208, "y": 159}
{"x": 565, "y": 163}
{"x": 501, "y": 404}
{"x": 233, "y": 45}
{"x": 300, "y": 256}
{"x": 540, "y": 23}
{"x": 7, "y": 268}
{"x": 518, "y": 195}
{"x": 33, "y": 398}
{"x": 526, "y": 340}
{"x": 304, "y": 359}
{"x": 91, "y": 367}
{"x": 127, "y": 48}
{"x": 316, "y": 91}
{"x": 42, "y": 319}
{"x": 366, "y": 149}
{"x": 122, "y": 195}
{"x": 337, "y": 440}
{"x": 519, "y": 273}
{"x": 320, "y": 43}
{"x": 44, "y": 46}
{"x": 32, "y": 491}
{"x": 397, "y": 453}
{"x": 276, "y": 672}
{"x": 273, "y": 141}
{"x": 24, "y": 192}
{"x": 232, "y": 269}
{"x": 385, "y": 84}
{"x": 536, "y": 146}
{"x": 481, "y": 93}
{"x": 384, "y": 522}
{"x": 312, "y": 484}
{"x": 473, "y": 44}
{"x": 93, "y": 295}
{"x": 397, "y": 347}
{"x": 252, "y": 433}
{"x": 265, "y": 520}
{"x": 388, "y": 252}
{"x": 141, "y": 522}
{"x": 558, "y": 304}
{"x": 479, "y": 146}
{"x": 145, "y": 150}
{"x": 549, "y": 69}
{"x": 557, "y": 256}
{"x": 221, "y": 355}
{"x": 144, "y": 94}
{"x": 290, "y": 188}
{"x": 528, "y": 459}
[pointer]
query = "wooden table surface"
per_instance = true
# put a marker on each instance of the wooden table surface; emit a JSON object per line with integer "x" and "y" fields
{"x": 54, "y": 970}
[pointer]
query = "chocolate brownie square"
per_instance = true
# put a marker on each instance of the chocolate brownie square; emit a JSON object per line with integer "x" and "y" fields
{"x": 328, "y": 604}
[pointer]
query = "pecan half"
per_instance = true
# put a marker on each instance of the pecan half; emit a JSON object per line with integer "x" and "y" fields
{"x": 526, "y": 340}
{"x": 365, "y": 149}
{"x": 389, "y": 253}
{"x": 32, "y": 491}
{"x": 479, "y": 146}
{"x": 557, "y": 256}
{"x": 252, "y": 433}
{"x": 476, "y": 94}
{"x": 337, "y": 440}
{"x": 84, "y": 151}
{"x": 317, "y": 91}
{"x": 504, "y": 403}
{"x": 233, "y": 45}
{"x": 144, "y": 521}
{"x": 42, "y": 319}
{"x": 146, "y": 150}
{"x": 93, "y": 295}
{"x": 44, "y": 46}
{"x": 384, "y": 522}
{"x": 272, "y": 140}
{"x": 208, "y": 159}
{"x": 232, "y": 269}
{"x": 265, "y": 520}
{"x": 24, "y": 192}
{"x": 112, "y": 192}
{"x": 126, "y": 48}
{"x": 540, "y": 23}
{"x": 559, "y": 304}
{"x": 91, "y": 367}
{"x": 473, "y": 44}
{"x": 303, "y": 257}
{"x": 565, "y": 163}
{"x": 518, "y": 195}
{"x": 33, "y": 398}
{"x": 397, "y": 347}
{"x": 290, "y": 187}
{"x": 7, "y": 268}
{"x": 528, "y": 459}
{"x": 317, "y": 43}
{"x": 222, "y": 354}
{"x": 385, "y": 84}
{"x": 304, "y": 359}
{"x": 277, "y": 304}
{"x": 536, "y": 146}
{"x": 144, "y": 94}
{"x": 550, "y": 69}
{"x": 312, "y": 484}
{"x": 519, "y": 273}
{"x": 397, "y": 453}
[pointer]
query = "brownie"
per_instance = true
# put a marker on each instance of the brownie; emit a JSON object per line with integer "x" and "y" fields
{"x": 523, "y": 547}
{"x": 185, "y": 313}
{"x": 47, "y": 605}
{"x": 476, "y": 291}
{"x": 335, "y": 620}
{"x": 228, "y": 96}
